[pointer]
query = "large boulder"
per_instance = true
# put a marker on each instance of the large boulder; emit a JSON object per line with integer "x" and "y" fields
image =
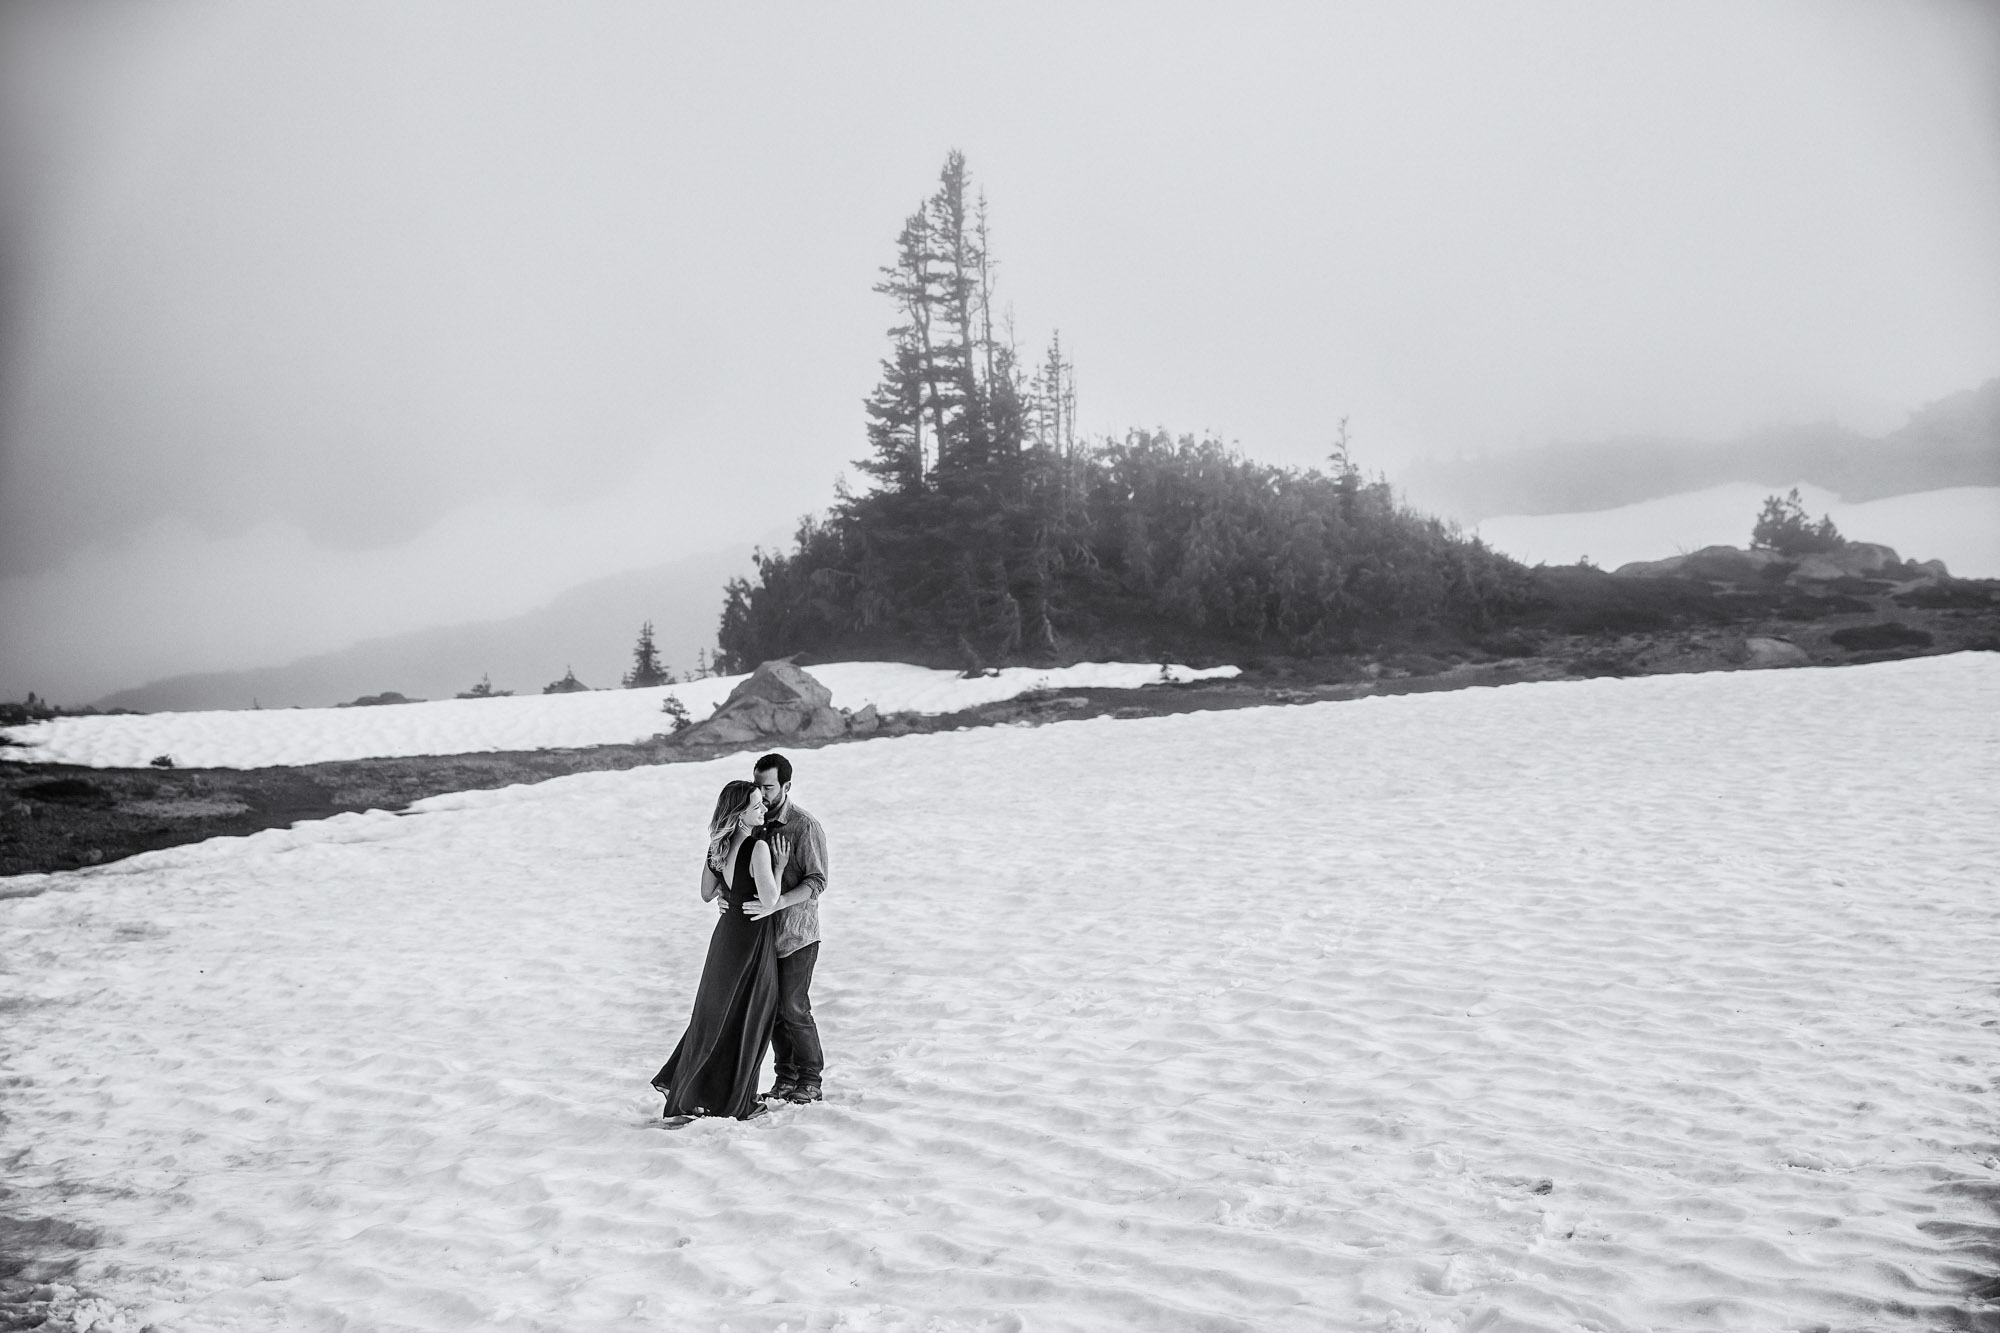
{"x": 775, "y": 700}
{"x": 1719, "y": 564}
{"x": 1854, "y": 560}
{"x": 1730, "y": 564}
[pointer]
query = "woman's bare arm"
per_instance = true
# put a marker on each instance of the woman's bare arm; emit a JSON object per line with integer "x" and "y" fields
{"x": 711, "y": 883}
{"x": 766, "y": 876}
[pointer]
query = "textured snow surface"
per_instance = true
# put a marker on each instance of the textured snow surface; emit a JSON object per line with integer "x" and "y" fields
{"x": 258, "y": 739}
{"x": 1661, "y": 1004}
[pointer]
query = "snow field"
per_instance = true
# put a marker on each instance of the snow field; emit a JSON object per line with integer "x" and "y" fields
{"x": 262, "y": 738}
{"x": 1650, "y": 1004}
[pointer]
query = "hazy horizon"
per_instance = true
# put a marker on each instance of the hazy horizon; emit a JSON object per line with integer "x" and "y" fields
{"x": 321, "y": 326}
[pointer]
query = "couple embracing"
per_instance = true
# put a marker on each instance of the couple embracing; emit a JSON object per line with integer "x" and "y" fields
{"x": 765, "y": 870}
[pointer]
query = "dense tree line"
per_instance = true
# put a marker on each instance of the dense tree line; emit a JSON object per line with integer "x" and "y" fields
{"x": 988, "y": 533}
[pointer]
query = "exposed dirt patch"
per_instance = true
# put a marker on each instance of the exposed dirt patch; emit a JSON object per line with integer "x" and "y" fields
{"x": 57, "y": 817}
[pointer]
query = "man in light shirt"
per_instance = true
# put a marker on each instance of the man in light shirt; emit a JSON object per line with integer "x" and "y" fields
{"x": 798, "y": 849}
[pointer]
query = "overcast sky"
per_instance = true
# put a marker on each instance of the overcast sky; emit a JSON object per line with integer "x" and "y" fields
{"x": 324, "y": 322}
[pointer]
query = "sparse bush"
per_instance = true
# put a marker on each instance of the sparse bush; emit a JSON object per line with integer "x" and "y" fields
{"x": 1889, "y": 634}
{"x": 484, "y": 690}
{"x": 1601, "y": 665}
{"x": 1953, "y": 596}
{"x": 377, "y": 700}
{"x": 675, "y": 709}
{"x": 1510, "y": 645}
{"x": 1782, "y": 526}
{"x": 161, "y": 761}
{"x": 67, "y": 791}
{"x": 569, "y": 684}
{"x": 37, "y": 709}
{"x": 1589, "y": 601}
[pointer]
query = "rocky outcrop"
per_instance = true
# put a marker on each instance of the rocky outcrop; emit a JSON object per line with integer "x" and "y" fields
{"x": 1729, "y": 564}
{"x": 1854, "y": 560}
{"x": 775, "y": 701}
{"x": 1720, "y": 564}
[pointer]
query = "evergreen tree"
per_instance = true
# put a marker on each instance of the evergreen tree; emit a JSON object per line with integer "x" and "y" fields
{"x": 958, "y": 264}
{"x": 896, "y": 420}
{"x": 736, "y": 638}
{"x": 646, "y": 669}
{"x": 903, "y": 412}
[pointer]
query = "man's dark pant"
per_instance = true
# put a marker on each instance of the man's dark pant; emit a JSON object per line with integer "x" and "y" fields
{"x": 795, "y": 1049}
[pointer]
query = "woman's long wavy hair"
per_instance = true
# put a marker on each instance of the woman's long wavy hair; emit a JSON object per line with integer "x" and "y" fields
{"x": 729, "y": 807}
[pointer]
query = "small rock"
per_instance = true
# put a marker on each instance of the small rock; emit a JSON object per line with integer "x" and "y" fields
{"x": 1765, "y": 652}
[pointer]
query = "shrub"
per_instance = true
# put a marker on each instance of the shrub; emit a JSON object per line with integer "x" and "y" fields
{"x": 569, "y": 684}
{"x": 675, "y": 709}
{"x": 1947, "y": 597}
{"x": 1589, "y": 601}
{"x": 1889, "y": 634}
{"x": 484, "y": 690}
{"x": 1510, "y": 645}
{"x": 161, "y": 761}
{"x": 1782, "y": 526}
{"x": 37, "y": 709}
{"x": 67, "y": 791}
{"x": 1601, "y": 665}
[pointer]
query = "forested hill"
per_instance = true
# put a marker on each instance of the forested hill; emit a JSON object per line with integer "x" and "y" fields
{"x": 990, "y": 534}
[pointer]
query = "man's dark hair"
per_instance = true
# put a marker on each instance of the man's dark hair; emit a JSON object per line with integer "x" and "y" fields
{"x": 777, "y": 761}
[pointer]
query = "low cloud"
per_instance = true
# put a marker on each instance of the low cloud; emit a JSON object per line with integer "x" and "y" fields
{"x": 171, "y": 599}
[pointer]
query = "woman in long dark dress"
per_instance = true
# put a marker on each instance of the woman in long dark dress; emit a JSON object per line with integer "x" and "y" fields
{"x": 714, "y": 1069}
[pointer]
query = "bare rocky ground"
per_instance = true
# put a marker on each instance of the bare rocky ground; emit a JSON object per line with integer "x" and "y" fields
{"x": 60, "y": 817}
